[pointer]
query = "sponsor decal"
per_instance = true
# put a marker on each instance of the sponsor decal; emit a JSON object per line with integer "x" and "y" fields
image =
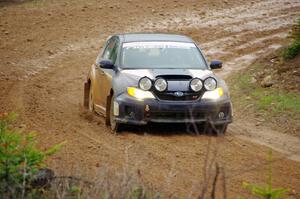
{"x": 181, "y": 45}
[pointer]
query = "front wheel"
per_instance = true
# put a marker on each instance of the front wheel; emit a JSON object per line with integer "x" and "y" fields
{"x": 216, "y": 129}
{"x": 221, "y": 129}
{"x": 114, "y": 125}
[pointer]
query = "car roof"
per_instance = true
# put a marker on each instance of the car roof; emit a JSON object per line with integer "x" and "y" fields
{"x": 134, "y": 37}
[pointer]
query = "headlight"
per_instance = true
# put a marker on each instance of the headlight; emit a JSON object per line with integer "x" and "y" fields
{"x": 145, "y": 83}
{"x": 160, "y": 84}
{"x": 196, "y": 84}
{"x": 139, "y": 94}
{"x": 210, "y": 84}
{"x": 215, "y": 94}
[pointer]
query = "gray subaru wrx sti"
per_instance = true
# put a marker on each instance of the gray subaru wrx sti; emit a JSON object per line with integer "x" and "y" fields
{"x": 141, "y": 78}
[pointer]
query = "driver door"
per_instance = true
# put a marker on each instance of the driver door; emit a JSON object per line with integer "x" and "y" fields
{"x": 104, "y": 76}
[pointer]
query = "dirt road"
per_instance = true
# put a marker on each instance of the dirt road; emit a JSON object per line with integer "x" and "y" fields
{"x": 46, "y": 48}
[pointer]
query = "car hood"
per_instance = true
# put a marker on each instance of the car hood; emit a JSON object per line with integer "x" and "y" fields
{"x": 153, "y": 73}
{"x": 131, "y": 77}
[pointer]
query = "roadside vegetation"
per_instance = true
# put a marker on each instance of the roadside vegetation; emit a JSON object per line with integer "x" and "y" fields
{"x": 294, "y": 48}
{"x": 24, "y": 172}
{"x": 256, "y": 94}
{"x": 247, "y": 92}
{"x": 268, "y": 90}
{"x": 21, "y": 162}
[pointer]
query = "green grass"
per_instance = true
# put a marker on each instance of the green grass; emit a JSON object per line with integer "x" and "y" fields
{"x": 269, "y": 101}
{"x": 278, "y": 102}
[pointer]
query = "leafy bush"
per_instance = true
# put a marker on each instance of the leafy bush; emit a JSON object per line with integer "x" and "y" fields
{"x": 294, "y": 49}
{"x": 20, "y": 159}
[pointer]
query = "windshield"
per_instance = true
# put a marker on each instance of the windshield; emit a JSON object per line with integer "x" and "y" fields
{"x": 152, "y": 55}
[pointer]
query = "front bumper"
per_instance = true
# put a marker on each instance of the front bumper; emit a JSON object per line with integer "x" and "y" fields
{"x": 139, "y": 112}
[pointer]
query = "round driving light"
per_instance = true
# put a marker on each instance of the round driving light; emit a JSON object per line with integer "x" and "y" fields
{"x": 145, "y": 83}
{"x": 160, "y": 84}
{"x": 210, "y": 84}
{"x": 196, "y": 84}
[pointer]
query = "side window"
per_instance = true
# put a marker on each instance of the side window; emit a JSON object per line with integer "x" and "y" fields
{"x": 107, "y": 54}
{"x": 111, "y": 50}
{"x": 114, "y": 52}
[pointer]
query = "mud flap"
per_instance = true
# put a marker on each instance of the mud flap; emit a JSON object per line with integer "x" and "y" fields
{"x": 86, "y": 95}
{"x": 107, "y": 114}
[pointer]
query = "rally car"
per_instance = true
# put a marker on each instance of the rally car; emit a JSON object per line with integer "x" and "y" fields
{"x": 149, "y": 77}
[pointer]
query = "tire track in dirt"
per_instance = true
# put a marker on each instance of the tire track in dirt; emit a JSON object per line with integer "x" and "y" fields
{"x": 258, "y": 17}
{"x": 283, "y": 143}
{"x": 236, "y": 20}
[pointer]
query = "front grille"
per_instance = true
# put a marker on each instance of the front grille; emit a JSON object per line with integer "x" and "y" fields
{"x": 187, "y": 96}
{"x": 177, "y": 115}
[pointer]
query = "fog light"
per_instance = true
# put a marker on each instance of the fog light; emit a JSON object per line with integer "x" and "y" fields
{"x": 116, "y": 108}
{"x": 132, "y": 115}
{"x": 221, "y": 115}
{"x": 147, "y": 108}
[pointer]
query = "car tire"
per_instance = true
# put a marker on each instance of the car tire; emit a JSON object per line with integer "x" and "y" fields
{"x": 107, "y": 113}
{"x": 220, "y": 129}
{"x": 91, "y": 102}
{"x": 114, "y": 125}
{"x": 216, "y": 129}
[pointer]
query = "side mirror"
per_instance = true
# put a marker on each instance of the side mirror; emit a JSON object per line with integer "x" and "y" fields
{"x": 215, "y": 64}
{"x": 106, "y": 64}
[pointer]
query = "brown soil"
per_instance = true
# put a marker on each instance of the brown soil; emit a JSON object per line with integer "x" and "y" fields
{"x": 285, "y": 73}
{"x": 46, "y": 48}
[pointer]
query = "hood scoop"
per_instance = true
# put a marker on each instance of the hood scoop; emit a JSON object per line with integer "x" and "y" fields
{"x": 175, "y": 77}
